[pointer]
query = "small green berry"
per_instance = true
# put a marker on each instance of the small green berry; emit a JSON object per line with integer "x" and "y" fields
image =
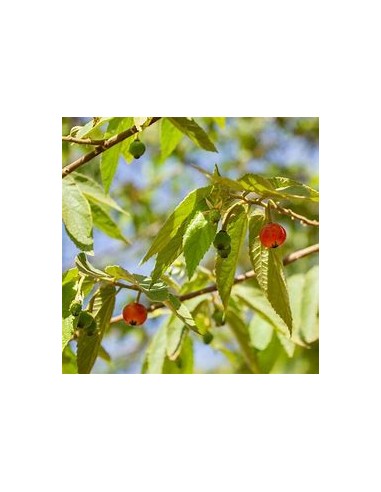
{"x": 76, "y": 308}
{"x": 137, "y": 148}
{"x": 224, "y": 253}
{"x": 85, "y": 320}
{"x": 214, "y": 216}
{"x": 222, "y": 240}
{"x": 207, "y": 337}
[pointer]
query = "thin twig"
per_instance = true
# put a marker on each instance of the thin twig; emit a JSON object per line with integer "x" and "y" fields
{"x": 296, "y": 255}
{"x": 84, "y": 141}
{"x": 107, "y": 144}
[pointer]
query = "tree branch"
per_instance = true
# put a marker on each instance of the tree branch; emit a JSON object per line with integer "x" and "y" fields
{"x": 84, "y": 141}
{"x": 296, "y": 255}
{"x": 107, "y": 144}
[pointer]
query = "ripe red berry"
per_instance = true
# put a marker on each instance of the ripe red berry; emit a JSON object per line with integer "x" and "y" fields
{"x": 134, "y": 314}
{"x": 272, "y": 235}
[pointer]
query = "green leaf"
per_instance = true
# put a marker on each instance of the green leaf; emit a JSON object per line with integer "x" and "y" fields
{"x": 85, "y": 267}
{"x": 181, "y": 311}
{"x": 69, "y": 361}
{"x": 176, "y": 332}
{"x": 110, "y": 158}
{"x": 293, "y": 189}
{"x": 76, "y": 214}
{"x": 259, "y": 255}
{"x": 103, "y": 221}
{"x": 169, "y": 254}
{"x": 176, "y": 219}
{"x": 117, "y": 272}
{"x": 184, "y": 362}
{"x": 304, "y": 297}
{"x": 94, "y": 192}
{"x": 155, "y": 291}
{"x": 261, "y": 332}
{"x": 197, "y": 239}
{"x": 69, "y": 322}
{"x": 69, "y": 275}
{"x": 156, "y": 351}
{"x": 277, "y": 292}
{"x": 170, "y": 137}
{"x": 194, "y": 131}
{"x": 88, "y": 346}
{"x": 268, "y": 267}
{"x": 226, "y": 267}
{"x": 255, "y": 300}
{"x": 92, "y": 129}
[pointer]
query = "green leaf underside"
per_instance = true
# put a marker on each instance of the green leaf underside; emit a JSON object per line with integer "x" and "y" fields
{"x": 181, "y": 311}
{"x": 156, "y": 351}
{"x": 118, "y": 272}
{"x": 193, "y": 130}
{"x": 94, "y": 192}
{"x": 261, "y": 331}
{"x": 176, "y": 332}
{"x": 103, "y": 221}
{"x": 110, "y": 158}
{"x": 76, "y": 214}
{"x": 85, "y": 267}
{"x": 91, "y": 130}
{"x": 226, "y": 267}
{"x": 176, "y": 219}
{"x": 170, "y": 137}
{"x": 258, "y": 255}
{"x": 277, "y": 292}
{"x": 256, "y": 300}
{"x": 88, "y": 346}
{"x": 69, "y": 322}
{"x": 304, "y": 298}
{"x": 155, "y": 291}
{"x": 268, "y": 267}
{"x": 277, "y": 187}
{"x": 184, "y": 361}
{"x": 197, "y": 239}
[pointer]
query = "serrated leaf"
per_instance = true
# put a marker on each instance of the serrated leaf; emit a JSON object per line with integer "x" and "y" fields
{"x": 184, "y": 362}
{"x": 88, "y": 346}
{"x": 85, "y": 267}
{"x": 94, "y": 192}
{"x": 293, "y": 189}
{"x": 261, "y": 332}
{"x": 197, "y": 239}
{"x": 194, "y": 131}
{"x": 226, "y": 267}
{"x": 171, "y": 226}
{"x": 259, "y": 256}
{"x": 92, "y": 128}
{"x": 69, "y": 322}
{"x": 304, "y": 298}
{"x": 277, "y": 292}
{"x": 181, "y": 311}
{"x": 176, "y": 331}
{"x": 103, "y": 221}
{"x": 268, "y": 267}
{"x": 156, "y": 351}
{"x": 256, "y": 300}
{"x": 170, "y": 137}
{"x": 76, "y": 214}
{"x": 117, "y": 272}
{"x": 155, "y": 291}
{"x": 110, "y": 158}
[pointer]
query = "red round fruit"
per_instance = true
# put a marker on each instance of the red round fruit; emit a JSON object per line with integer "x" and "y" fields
{"x": 134, "y": 314}
{"x": 272, "y": 235}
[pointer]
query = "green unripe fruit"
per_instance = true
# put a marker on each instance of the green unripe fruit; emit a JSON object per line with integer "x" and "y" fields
{"x": 92, "y": 328}
{"x": 76, "y": 308}
{"x": 207, "y": 337}
{"x": 85, "y": 320}
{"x": 218, "y": 317}
{"x": 137, "y": 148}
{"x": 224, "y": 253}
{"x": 214, "y": 216}
{"x": 222, "y": 240}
